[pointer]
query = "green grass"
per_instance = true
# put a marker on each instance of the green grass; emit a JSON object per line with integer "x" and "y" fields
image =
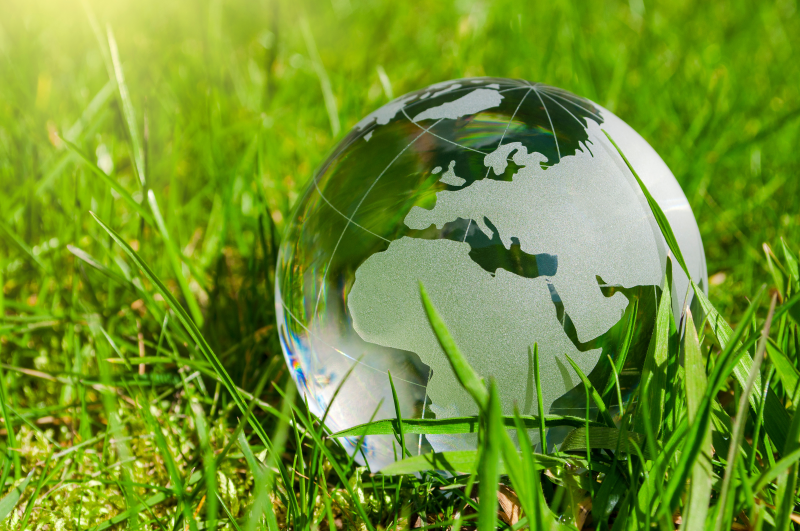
{"x": 189, "y": 128}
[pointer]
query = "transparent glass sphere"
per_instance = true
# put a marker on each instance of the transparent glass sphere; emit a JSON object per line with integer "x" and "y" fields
{"x": 509, "y": 204}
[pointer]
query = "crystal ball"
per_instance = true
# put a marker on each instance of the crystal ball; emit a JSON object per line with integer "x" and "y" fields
{"x": 507, "y": 202}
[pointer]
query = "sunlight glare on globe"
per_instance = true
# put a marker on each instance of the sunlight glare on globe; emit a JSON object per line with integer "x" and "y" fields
{"x": 509, "y": 204}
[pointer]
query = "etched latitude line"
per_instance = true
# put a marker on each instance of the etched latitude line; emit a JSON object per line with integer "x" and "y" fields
{"x": 348, "y": 356}
{"x": 553, "y": 129}
{"x": 374, "y": 124}
{"x": 484, "y": 153}
{"x": 441, "y": 137}
{"x": 316, "y": 185}
{"x": 339, "y": 241}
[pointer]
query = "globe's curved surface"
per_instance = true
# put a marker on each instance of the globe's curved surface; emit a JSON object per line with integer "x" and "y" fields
{"x": 507, "y": 202}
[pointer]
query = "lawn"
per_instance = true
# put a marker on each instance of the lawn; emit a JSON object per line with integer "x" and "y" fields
{"x": 150, "y": 154}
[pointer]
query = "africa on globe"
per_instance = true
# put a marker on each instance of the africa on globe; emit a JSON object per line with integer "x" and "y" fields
{"x": 508, "y": 203}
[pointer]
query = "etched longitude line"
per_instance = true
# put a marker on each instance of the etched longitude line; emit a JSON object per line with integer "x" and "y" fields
{"x": 363, "y": 198}
{"x": 583, "y": 125}
{"x": 503, "y": 136}
{"x": 567, "y": 100}
{"x": 466, "y": 233}
{"x": 553, "y": 129}
{"x": 316, "y": 185}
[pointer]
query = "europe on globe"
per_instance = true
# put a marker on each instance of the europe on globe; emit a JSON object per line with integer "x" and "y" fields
{"x": 508, "y": 203}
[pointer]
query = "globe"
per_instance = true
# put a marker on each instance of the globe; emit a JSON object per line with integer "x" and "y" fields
{"x": 507, "y": 202}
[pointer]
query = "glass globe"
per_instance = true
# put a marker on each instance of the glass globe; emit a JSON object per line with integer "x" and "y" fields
{"x": 509, "y": 204}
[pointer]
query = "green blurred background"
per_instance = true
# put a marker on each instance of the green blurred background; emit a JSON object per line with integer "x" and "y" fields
{"x": 227, "y": 107}
{"x": 236, "y": 102}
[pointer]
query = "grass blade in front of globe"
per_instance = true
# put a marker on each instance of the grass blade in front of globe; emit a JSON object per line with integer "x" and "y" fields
{"x": 538, "y": 512}
{"x": 622, "y": 354}
{"x": 696, "y": 508}
{"x": 592, "y": 392}
{"x": 654, "y": 373}
{"x": 399, "y": 419}
{"x": 463, "y": 461}
{"x": 489, "y": 462}
{"x": 466, "y": 375}
{"x": 658, "y": 213}
{"x": 455, "y": 425}
{"x": 539, "y": 400}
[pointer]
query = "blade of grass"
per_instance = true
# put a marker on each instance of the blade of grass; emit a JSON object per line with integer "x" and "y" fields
{"x": 739, "y": 422}
{"x": 322, "y": 75}
{"x": 654, "y": 373}
{"x": 489, "y": 464}
{"x": 605, "y": 438}
{"x": 622, "y": 353}
{"x": 169, "y": 462}
{"x": 262, "y": 505}
{"x": 539, "y": 399}
{"x": 776, "y": 419}
{"x": 209, "y": 468}
{"x": 760, "y": 420}
{"x": 537, "y": 510}
{"x": 791, "y": 262}
{"x": 137, "y": 152}
{"x": 175, "y": 260}
{"x": 10, "y": 500}
{"x": 465, "y": 374}
{"x": 463, "y": 462}
{"x": 696, "y": 509}
{"x": 399, "y": 415}
{"x": 596, "y": 398}
{"x": 190, "y": 327}
{"x": 12, "y": 444}
{"x": 777, "y": 276}
{"x": 456, "y": 425}
{"x": 787, "y": 372}
{"x": 658, "y": 214}
{"x": 32, "y": 501}
{"x": 788, "y": 490}
{"x": 123, "y": 193}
